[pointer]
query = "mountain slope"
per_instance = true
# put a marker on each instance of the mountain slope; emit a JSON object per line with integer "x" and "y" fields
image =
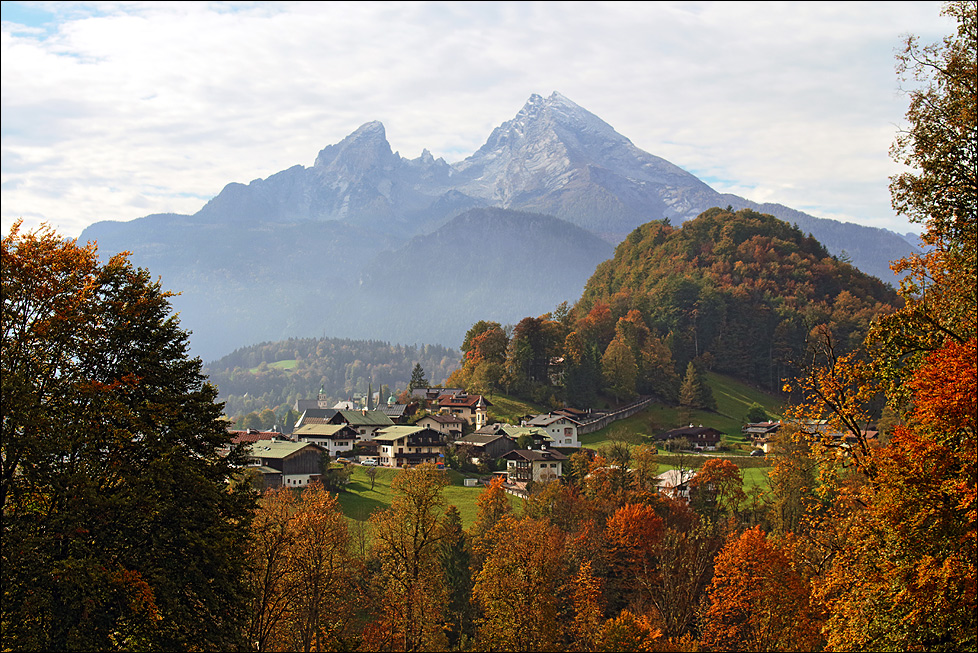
{"x": 506, "y": 264}
{"x": 745, "y": 287}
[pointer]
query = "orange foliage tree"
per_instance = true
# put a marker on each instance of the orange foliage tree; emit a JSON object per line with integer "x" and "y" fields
{"x": 757, "y": 601}
{"x": 718, "y": 487}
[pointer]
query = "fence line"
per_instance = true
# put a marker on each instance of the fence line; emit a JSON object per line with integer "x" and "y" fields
{"x": 603, "y": 421}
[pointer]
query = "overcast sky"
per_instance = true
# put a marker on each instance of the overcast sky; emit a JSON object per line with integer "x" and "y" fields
{"x": 113, "y": 111}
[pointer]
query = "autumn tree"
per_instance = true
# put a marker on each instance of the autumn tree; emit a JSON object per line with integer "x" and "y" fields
{"x": 793, "y": 480}
{"x": 757, "y": 601}
{"x": 657, "y": 371}
{"x": 269, "y": 572}
{"x": 718, "y": 488}
{"x": 320, "y": 604}
{"x": 685, "y": 557}
{"x": 407, "y": 537}
{"x": 908, "y": 511}
{"x": 121, "y": 529}
{"x": 588, "y": 608}
{"x": 493, "y": 504}
{"x": 521, "y": 587}
{"x": 913, "y": 547}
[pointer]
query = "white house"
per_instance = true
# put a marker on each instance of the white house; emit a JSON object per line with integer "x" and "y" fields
{"x": 561, "y": 429}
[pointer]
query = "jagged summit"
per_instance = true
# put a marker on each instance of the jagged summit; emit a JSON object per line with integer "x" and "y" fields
{"x": 364, "y": 148}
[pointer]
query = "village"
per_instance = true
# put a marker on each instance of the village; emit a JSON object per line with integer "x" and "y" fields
{"x": 455, "y": 428}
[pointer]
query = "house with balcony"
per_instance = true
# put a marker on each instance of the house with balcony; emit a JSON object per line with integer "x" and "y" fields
{"x": 450, "y": 425}
{"x": 560, "y": 426}
{"x": 538, "y": 465}
{"x": 472, "y": 408}
{"x": 334, "y": 438}
{"x": 408, "y": 446}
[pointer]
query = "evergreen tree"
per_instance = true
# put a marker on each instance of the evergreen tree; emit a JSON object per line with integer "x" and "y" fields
{"x": 695, "y": 392}
{"x": 418, "y": 379}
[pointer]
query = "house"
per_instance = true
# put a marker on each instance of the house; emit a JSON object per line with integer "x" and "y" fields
{"x": 541, "y": 466}
{"x": 243, "y": 437}
{"x": 675, "y": 483}
{"x": 539, "y": 437}
{"x": 408, "y": 446}
{"x": 561, "y": 427}
{"x": 760, "y": 433}
{"x": 487, "y": 446}
{"x": 284, "y": 463}
{"x": 252, "y": 435}
{"x": 699, "y": 437}
{"x": 334, "y": 438}
{"x": 365, "y": 422}
{"x": 472, "y": 408}
{"x": 314, "y": 416}
{"x": 450, "y": 425}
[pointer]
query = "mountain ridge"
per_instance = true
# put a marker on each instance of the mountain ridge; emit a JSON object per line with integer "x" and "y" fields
{"x": 331, "y": 220}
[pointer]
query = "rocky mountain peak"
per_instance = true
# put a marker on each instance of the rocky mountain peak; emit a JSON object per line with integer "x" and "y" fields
{"x": 366, "y": 148}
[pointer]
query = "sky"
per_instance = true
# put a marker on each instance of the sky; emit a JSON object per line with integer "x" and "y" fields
{"x": 117, "y": 110}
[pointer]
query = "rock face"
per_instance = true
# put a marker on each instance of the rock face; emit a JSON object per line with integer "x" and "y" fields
{"x": 314, "y": 249}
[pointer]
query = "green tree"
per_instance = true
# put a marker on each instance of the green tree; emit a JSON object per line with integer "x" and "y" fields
{"x": 619, "y": 369}
{"x": 755, "y": 414}
{"x": 695, "y": 392}
{"x": 120, "y": 526}
{"x": 455, "y": 556}
{"x": 418, "y": 379}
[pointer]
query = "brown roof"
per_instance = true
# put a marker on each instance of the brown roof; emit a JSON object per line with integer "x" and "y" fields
{"x": 444, "y": 419}
{"x": 462, "y": 399}
{"x": 251, "y": 435}
{"x": 534, "y": 455}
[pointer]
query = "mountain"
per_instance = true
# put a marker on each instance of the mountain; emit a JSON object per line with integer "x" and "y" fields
{"x": 490, "y": 261}
{"x": 319, "y": 249}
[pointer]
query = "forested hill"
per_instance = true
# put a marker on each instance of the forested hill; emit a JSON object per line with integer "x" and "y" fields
{"x": 275, "y": 374}
{"x": 743, "y": 287}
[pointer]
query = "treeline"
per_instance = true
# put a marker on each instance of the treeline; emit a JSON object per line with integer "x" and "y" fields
{"x": 739, "y": 293}
{"x": 599, "y": 562}
{"x": 248, "y": 382}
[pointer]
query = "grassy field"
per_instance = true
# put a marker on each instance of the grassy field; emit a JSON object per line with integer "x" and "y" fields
{"x": 279, "y": 365}
{"x": 733, "y": 400}
{"x": 510, "y": 410}
{"x": 359, "y": 500}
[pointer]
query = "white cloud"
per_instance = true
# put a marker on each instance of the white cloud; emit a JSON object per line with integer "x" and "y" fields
{"x": 118, "y": 110}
